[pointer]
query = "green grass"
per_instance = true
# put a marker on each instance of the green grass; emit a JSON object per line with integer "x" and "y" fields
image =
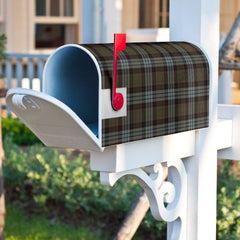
{"x": 21, "y": 227}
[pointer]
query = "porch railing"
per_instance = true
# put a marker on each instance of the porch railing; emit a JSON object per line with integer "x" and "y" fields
{"x": 22, "y": 70}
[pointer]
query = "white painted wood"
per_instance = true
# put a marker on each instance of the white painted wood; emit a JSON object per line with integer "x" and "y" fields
{"x": 231, "y": 112}
{"x": 53, "y": 122}
{"x": 16, "y": 22}
{"x": 148, "y": 35}
{"x": 56, "y": 20}
{"x": 30, "y": 26}
{"x": 107, "y": 110}
{"x": 225, "y": 95}
{"x": 1, "y": 11}
{"x": 59, "y": 19}
{"x": 112, "y": 19}
{"x": 197, "y": 21}
{"x": 87, "y": 22}
{"x": 224, "y": 134}
{"x": 130, "y": 14}
{"x": 97, "y": 15}
{"x": 159, "y": 192}
{"x": 144, "y": 152}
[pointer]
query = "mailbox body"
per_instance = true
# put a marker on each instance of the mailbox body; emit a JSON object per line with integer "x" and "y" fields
{"x": 165, "y": 86}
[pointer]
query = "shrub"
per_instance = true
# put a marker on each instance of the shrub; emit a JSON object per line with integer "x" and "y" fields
{"x": 66, "y": 179}
{"x": 60, "y": 178}
{"x": 228, "y": 207}
{"x": 3, "y": 42}
{"x": 55, "y": 177}
{"x": 19, "y": 132}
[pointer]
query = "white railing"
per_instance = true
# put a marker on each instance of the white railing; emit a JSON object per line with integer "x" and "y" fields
{"x": 22, "y": 70}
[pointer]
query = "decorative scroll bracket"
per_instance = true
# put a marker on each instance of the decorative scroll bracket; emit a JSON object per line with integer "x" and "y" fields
{"x": 168, "y": 199}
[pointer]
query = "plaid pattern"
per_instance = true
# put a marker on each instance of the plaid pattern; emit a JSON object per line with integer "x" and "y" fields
{"x": 167, "y": 89}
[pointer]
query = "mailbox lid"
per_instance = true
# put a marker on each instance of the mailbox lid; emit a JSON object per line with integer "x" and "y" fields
{"x": 53, "y": 122}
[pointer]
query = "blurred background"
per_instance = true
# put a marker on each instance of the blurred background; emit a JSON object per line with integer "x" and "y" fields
{"x": 58, "y": 185}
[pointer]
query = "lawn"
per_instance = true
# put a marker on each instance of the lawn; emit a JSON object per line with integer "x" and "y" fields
{"x": 21, "y": 227}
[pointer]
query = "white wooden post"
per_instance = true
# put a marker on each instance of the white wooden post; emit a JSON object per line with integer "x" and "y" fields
{"x": 225, "y": 94}
{"x": 197, "y": 21}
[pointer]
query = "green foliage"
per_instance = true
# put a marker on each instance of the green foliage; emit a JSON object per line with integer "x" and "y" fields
{"x": 3, "y": 41}
{"x": 66, "y": 179}
{"x": 228, "y": 208}
{"x": 22, "y": 227}
{"x": 19, "y": 132}
{"x": 55, "y": 177}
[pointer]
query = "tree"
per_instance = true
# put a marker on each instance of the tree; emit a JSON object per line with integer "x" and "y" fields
{"x": 230, "y": 48}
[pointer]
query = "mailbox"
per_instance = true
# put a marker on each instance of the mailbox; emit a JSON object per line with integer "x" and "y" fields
{"x": 165, "y": 90}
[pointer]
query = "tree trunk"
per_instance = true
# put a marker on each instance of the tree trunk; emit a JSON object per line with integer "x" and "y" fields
{"x": 229, "y": 65}
{"x": 133, "y": 218}
{"x": 2, "y": 199}
{"x": 229, "y": 46}
{"x": 135, "y": 215}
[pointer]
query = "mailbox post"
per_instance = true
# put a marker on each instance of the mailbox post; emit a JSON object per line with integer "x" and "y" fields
{"x": 198, "y": 21}
{"x": 186, "y": 134}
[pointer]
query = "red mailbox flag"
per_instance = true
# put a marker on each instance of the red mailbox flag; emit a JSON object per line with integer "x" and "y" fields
{"x": 119, "y": 45}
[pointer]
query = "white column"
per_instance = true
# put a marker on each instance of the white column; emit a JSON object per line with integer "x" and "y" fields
{"x": 112, "y": 22}
{"x": 87, "y": 21}
{"x": 197, "y": 21}
{"x": 225, "y": 95}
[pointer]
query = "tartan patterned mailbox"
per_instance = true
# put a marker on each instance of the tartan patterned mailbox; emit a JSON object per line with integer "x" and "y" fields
{"x": 165, "y": 88}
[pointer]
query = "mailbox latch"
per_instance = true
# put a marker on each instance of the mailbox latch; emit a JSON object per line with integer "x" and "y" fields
{"x": 24, "y": 102}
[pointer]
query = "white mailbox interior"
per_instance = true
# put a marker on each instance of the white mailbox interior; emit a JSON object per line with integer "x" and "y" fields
{"x": 71, "y": 76}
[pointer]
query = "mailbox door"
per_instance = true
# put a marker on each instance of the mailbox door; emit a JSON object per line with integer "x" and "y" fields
{"x": 53, "y": 122}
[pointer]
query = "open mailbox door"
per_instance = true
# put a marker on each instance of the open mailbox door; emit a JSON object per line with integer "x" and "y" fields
{"x": 52, "y": 121}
